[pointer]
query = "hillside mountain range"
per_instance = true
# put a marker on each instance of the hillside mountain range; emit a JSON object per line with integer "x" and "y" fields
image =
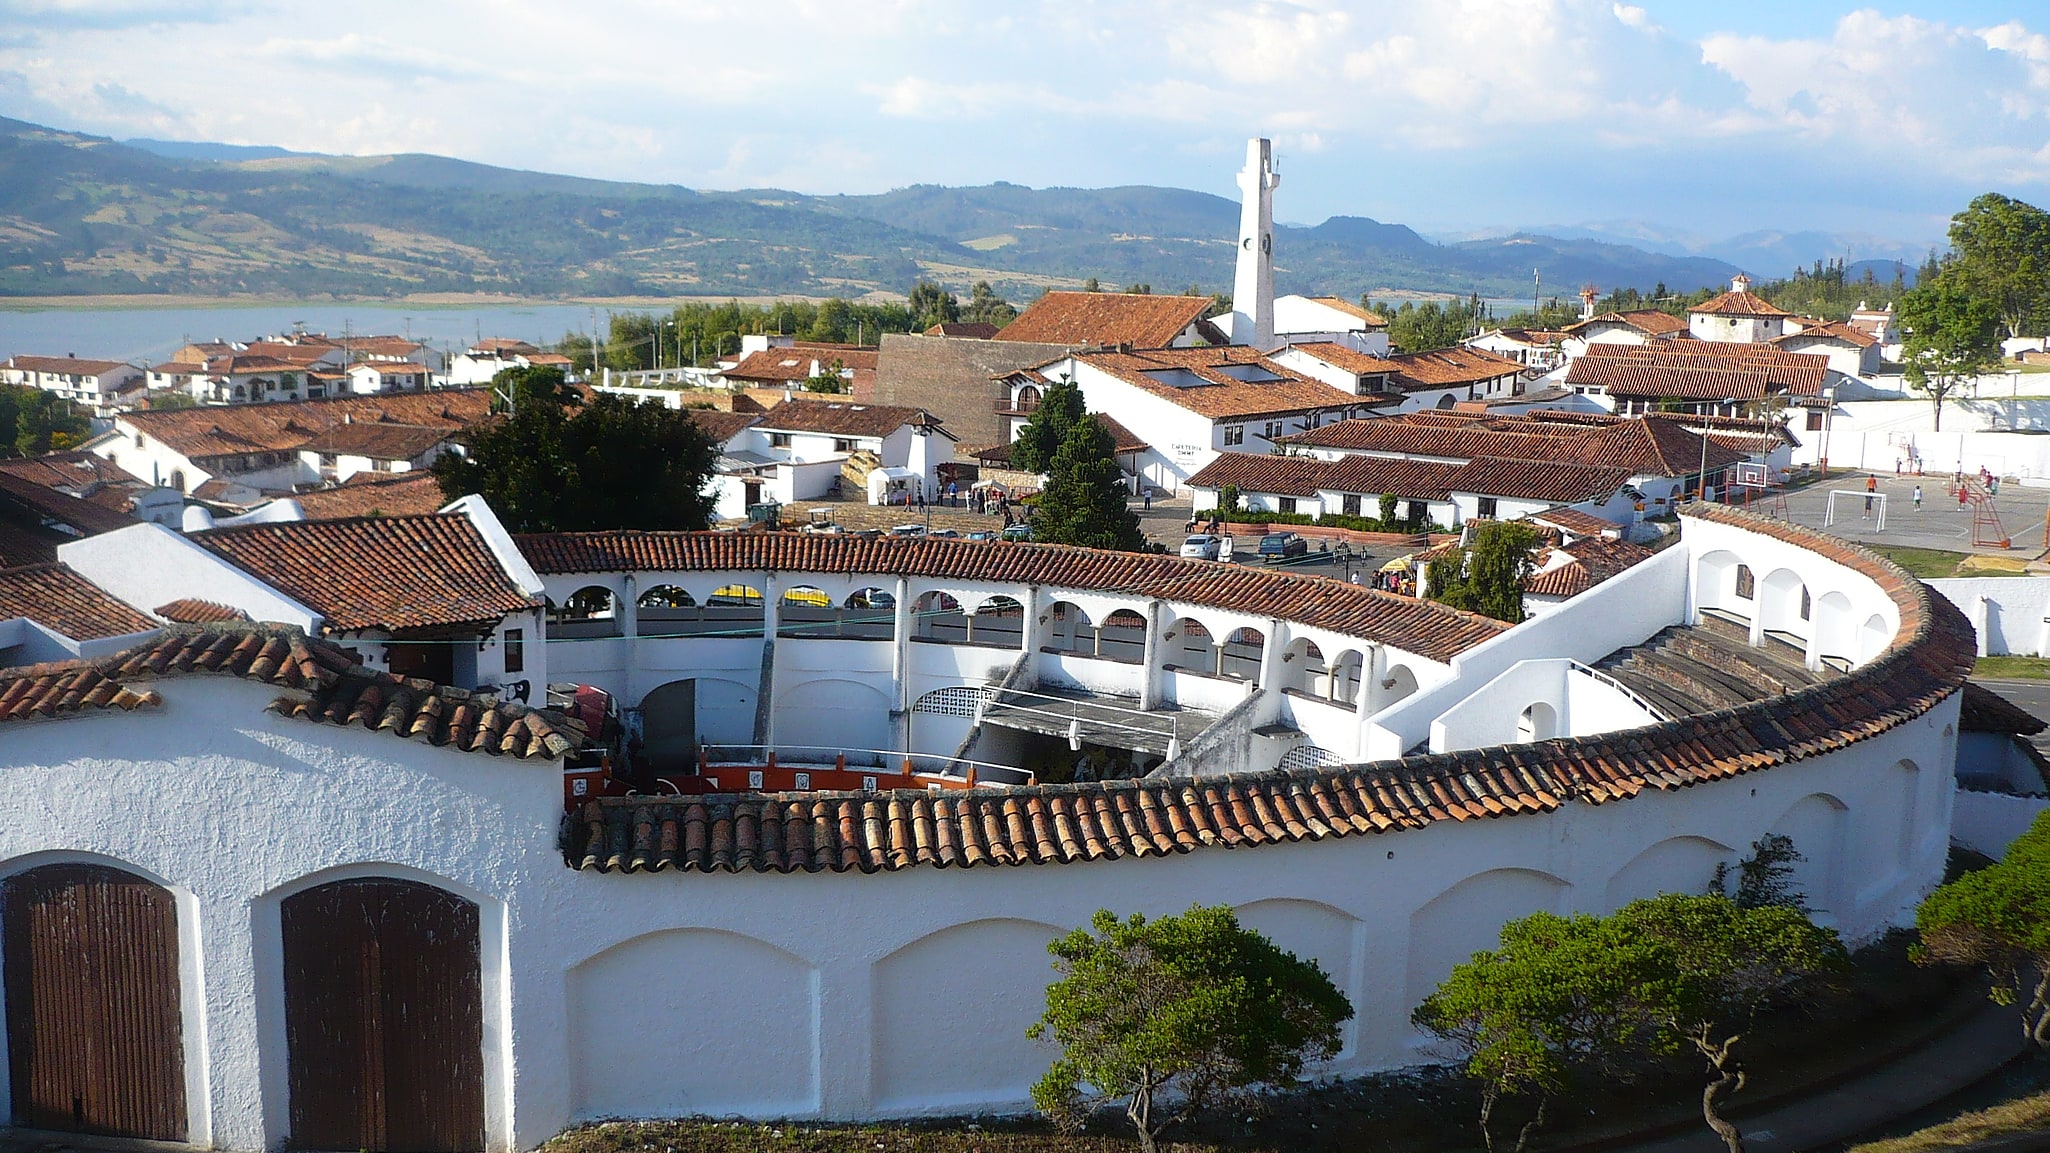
{"x": 84, "y": 215}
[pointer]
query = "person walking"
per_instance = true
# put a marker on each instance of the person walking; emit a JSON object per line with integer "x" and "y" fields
{"x": 1918, "y": 498}
{"x": 1871, "y": 486}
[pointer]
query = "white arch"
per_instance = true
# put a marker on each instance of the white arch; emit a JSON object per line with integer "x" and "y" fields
{"x": 1398, "y": 683}
{"x": 1715, "y": 576}
{"x": 1313, "y": 931}
{"x": 1874, "y": 636}
{"x": 753, "y": 1054}
{"x": 998, "y": 964}
{"x": 1836, "y": 630}
{"x": 1816, "y": 824}
{"x": 1467, "y": 917}
{"x": 1538, "y": 722}
{"x": 1682, "y": 864}
{"x": 1779, "y": 602}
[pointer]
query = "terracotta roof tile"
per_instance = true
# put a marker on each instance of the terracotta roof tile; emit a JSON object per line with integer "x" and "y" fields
{"x": 199, "y": 433}
{"x": 798, "y": 363}
{"x": 1446, "y": 367}
{"x": 325, "y": 685}
{"x": 1698, "y": 370}
{"x": 1986, "y": 711}
{"x": 1928, "y": 661}
{"x": 193, "y": 611}
{"x": 1206, "y": 381}
{"x": 1557, "y": 482}
{"x": 378, "y": 440}
{"x": 1307, "y": 476}
{"x": 376, "y": 572}
{"x": 1593, "y": 559}
{"x": 73, "y": 365}
{"x": 414, "y": 493}
{"x": 1421, "y": 627}
{"x": 1350, "y": 359}
{"x": 54, "y": 596}
{"x": 838, "y": 418}
{"x": 1649, "y": 321}
{"x": 1082, "y": 319}
{"x": 1830, "y": 330}
{"x": 1739, "y": 303}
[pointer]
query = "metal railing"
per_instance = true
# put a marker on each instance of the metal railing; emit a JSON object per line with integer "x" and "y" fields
{"x": 1628, "y": 693}
{"x": 887, "y": 760}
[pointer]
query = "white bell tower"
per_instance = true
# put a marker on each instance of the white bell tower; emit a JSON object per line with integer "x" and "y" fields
{"x": 1252, "y": 289}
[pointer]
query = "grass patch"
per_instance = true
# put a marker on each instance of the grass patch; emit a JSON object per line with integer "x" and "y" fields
{"x": 2012, "y": 668}
{"x": 2024, "y": 1115}
{"x": 1926, "y": 563}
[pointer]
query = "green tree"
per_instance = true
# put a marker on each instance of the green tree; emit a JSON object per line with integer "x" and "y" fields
{"x": 1561, "y": 995}
{"x": 1728, "y": 965}
{"x": 555, "y": 462}
{"x": 1175, "y": 1015}
{"x": 828, "y": 378}
{"x": 1999, "y": 918}
{"x": 1085, "y": 501}
{"x": 1950, "y": 336}
{"x": 1766, "y": 877}
{"x": 1487, "y": 575}
{"x": 1060, "y": 407}
{"x": 2002, "y": 256}
{"x": 930, "y": 304}
{"x": 1387, "y": 512}
{"x": 986, "y": 307}
{"x": 33, "y": 421}
{"x": 1415, "y": 328}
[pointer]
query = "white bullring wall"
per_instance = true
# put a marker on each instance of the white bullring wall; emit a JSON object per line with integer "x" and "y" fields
{"x": 843, "y": 995}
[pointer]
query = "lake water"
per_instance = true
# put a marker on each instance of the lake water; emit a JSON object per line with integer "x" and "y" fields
{"x": 150, "y": 335}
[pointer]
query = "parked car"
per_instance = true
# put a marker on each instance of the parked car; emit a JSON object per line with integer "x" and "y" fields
{"x": 982, "y": 534}
{"x": 1202, "y": 546}
{"x": 944, "y": 534}
{"x": 1282, "y": 545}
{"x": 1018, "y": 532}
{"x": 908, "y": 530}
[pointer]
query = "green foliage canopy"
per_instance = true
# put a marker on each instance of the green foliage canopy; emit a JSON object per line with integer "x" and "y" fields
{"x": 2001, "y": 255}
{"x": 1060, "y": 407}
{"x": 1487, "y": 576}
{"x": 1174, "y": 1015}
{"x": 557, "y": 462}
{"x": 1999, "y": 918}
{"x": 1950, "y": 335}
{"x": 1085, "y": 501}
{"x": 33, "y": 421}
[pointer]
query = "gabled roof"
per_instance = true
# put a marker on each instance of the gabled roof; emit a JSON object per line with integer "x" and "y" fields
{"x": 799, "y": 363}
{"x": 1410, "y": 436}
{"x": 1307, "y": 476}
{"x": 1339, "y": 356}
{"x": 59, "y": 599}
{"x": 1123, "y": 441}
{"x": 1103, "y": 319}
{"x": 379, "y": 441}
{"x": 391, "y": 572}
{"x": 1739, "y": 303}
{"x": 325, "y": 686}
{"x": 1574, "y": 521}
{"x": 198, "y": 433}
{"x": 721, "y": 426}
{"x": 1591, "y": 560}
{"x": 65, "y": 364}
{"x": 52, "y": 505}
{"x": 963, "y": 329}
{"x": 1206, "y": 381}
{"x": 1446, "y": 367}
{"x": 839, "y": 418}
{"x": 1649, "y": 321}
{"x": 1830, "y": 330}
{"x": 1655, "y": 445}
{"x": 414, "y": 493}
{"x": 1698, "y": 370}
{"x": 1553, "y": 481}
{"x": 194, "y": 611}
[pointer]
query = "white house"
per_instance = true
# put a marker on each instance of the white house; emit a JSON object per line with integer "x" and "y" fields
{"x": 100, "y": 383}
{"x": 1851, "y": 351}
{"x": 487, "y": 358}
{"x": 1739, "y": 316}
{"x": 1192, "y": 403}
{"x": 1536, "y": 349}
{"x": 369, "y": 377}
{"x": 1329, "y": 320}
{"x": 351, "y": 447}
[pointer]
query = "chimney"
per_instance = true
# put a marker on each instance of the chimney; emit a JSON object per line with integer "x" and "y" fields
{"x": 1587, "y": 298}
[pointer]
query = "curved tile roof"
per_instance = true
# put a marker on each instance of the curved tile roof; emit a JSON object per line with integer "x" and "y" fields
{"x": 1421, "y": 627}
{"x": 328, "y": 688}
{"x": 1064, "y": 824}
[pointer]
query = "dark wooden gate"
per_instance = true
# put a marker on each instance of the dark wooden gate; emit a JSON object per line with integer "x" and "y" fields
{"x": 95, "y": 1041}
{"x": 384, "y": 1018}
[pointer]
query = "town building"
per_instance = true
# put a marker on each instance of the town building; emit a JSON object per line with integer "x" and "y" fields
{"x": 479, "y": 363}
{"x": 103, "y": 384}
{"x": 1739, "y": 316}
{"x": 958, "y": 379}
{"x": 1115, "y": 320}
{"x": 1537, "y": 350}
{"x": 1193, "y": 402}
{"x": 263, "y": 811}
{"x": 1702, "y": 376}
{"x": 1329, "y": 320}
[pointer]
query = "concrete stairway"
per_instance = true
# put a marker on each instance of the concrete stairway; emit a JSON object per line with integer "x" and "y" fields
{"x": 1686, "y": 670}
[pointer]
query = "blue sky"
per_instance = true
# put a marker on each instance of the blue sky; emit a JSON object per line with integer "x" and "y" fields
{"x": 1678, "y": 122}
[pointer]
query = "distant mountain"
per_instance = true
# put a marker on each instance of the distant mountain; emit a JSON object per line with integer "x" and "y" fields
{"x": 86, "y": 215}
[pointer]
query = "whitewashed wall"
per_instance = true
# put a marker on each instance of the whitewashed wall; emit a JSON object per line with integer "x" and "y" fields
{"x": 2012, "y": 614}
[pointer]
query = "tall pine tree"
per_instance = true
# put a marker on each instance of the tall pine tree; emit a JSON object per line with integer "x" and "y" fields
{"x": 1084, "y": 502}
{"x": 1059, "y": 410}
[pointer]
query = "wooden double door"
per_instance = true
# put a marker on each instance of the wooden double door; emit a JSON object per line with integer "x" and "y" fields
{"x": 95, "y": 1035}
{"x": 384, "y": 1018}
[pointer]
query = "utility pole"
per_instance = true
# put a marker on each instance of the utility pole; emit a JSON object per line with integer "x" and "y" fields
{"x": 1536, "y": 290}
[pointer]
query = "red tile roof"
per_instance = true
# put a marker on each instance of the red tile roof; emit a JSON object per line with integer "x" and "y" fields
{"x": 54, "y": 596}
{"x": 193, "y": 611}
{"x": 1350, "y": 359}
{"x": 1574, "y": 521}
{"x": 390, "y": 572}
{"x": 1446, "y": 367}
{"x": 722, "y": 426}
{"x": 64, "y": 364}
{"x": 200, "y": 433}
{"x": 1654, "y": 445}
{"x": 1101, "y": 319}
{"x": 1307, "y": 476}
{"x": 414, "y": 493}
{"x": 325, "y": 686}
{"x": 1372, "y": 318}
{"x": 87, "y": 516}
{"x": 1593, "y": 559}
{"x": 1739, "y": 304}
{"x": 1426, "y": 629}
{"x": 801, "y": 363}
{"x": 379, "y": 441}
{"x": 1831, "y": 330}
{"x": 839, "y": 418}
{"x": 1202, "y": 380}
{"x": 1157, "y": 817}
{"x": 1554, "y": 482}
{"x": 1649, "y": 321}
{"x": 1698, "y": 370}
